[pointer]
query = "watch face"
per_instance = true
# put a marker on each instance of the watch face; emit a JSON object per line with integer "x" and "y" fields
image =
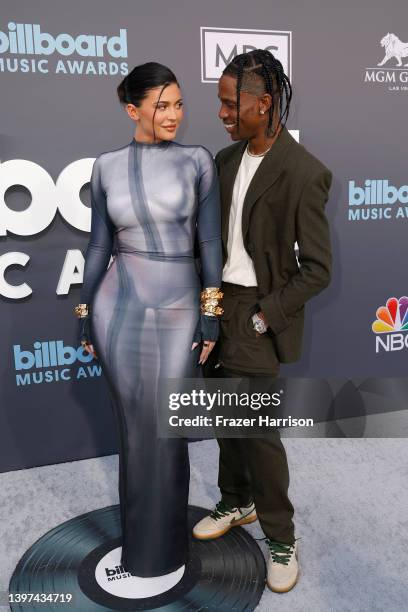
{"x": 258, "y": 324}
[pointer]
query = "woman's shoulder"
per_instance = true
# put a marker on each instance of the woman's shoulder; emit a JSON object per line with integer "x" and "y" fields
{"x": 112, "y": 155}
{"x": 105, "y": 163}
{"x": 198, "y": 152}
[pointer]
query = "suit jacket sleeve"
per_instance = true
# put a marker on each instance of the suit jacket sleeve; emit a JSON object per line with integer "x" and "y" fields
{"x": 313, "y": 238}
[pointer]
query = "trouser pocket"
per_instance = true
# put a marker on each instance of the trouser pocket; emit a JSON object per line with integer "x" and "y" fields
{"x": 241, "y": 347}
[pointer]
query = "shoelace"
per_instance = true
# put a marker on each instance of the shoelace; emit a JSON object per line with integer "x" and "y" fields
{"x": 280, "y": 553}
{"x": 221, "y": 509}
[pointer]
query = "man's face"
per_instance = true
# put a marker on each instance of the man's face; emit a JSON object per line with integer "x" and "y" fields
{"x": 251, "y": 122}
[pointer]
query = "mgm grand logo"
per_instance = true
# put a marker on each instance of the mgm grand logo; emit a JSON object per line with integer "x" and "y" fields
{"x": 391, "y": 71}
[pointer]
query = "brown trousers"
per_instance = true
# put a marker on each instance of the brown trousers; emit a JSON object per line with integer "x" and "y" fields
{"x": 251, "y": 469}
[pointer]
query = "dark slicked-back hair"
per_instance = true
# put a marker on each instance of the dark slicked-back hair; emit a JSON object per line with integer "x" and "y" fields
{"x": 136, "y": 85}
{"x": 134, "y": 88}
{"x": 259, "y": 72}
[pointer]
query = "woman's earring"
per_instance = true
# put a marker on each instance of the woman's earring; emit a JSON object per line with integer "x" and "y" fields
{"x": 261, "y": 112}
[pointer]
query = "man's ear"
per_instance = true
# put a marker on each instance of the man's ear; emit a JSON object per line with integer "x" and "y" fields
{"x": 132, "y": 111}
{"x": 265, "y": 102}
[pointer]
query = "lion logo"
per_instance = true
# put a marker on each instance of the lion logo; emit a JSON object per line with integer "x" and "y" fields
{"x": 394, "y": 47}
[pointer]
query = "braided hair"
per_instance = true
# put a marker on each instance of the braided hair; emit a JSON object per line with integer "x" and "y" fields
{"x": 247, "y": 68}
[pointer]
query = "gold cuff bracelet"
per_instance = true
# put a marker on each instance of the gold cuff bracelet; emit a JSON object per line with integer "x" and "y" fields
{"x": 81, "y": 311}
{"x": 209, "y": 301}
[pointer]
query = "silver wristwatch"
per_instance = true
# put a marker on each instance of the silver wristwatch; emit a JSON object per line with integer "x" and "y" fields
{"x": 259, "y": 324}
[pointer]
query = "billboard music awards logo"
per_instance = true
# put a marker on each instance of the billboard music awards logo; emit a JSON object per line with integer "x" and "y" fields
{"x": 24, "y": 47}
{"x": 391, "y": 325}
{"x": 375, "y": 200}
{"x": 47, "y": 362}
{"x": 219, "y": 46}
{"x": 111, "y": 576}
{"x": 390, "y": 72}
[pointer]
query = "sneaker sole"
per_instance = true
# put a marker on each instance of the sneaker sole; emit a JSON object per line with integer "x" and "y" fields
{"x": 218, "y": 534}
{"x": 283, "y": 590}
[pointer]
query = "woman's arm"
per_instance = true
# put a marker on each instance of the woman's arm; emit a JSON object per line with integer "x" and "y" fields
{"x": 98, "y": 252}
{"x": 209, "y": 238}
{"x": 99, "y": 249}
{"x": 209, "y": 222}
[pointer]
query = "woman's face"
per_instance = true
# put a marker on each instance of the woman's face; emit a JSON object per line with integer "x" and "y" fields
{"x": 166, "y": 111}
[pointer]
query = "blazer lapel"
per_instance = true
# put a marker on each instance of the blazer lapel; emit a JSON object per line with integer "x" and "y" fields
{"x": 266, "y": 174}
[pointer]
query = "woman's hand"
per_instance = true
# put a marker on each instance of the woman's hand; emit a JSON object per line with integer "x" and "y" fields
{"x": 206, "y": 332}
{"x": 90, "y": 349}
{"x": 205, "y": 351}
{"x": 85, "y": 336}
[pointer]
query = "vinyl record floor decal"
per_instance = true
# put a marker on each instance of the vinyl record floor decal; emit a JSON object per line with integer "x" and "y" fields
{"x": 80, "y": 560}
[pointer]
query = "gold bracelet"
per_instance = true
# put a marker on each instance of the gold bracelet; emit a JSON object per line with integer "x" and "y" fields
{"x": 209, "y": 301}
{"x": 212, "y": 293}
{"x": 212, "y": 311}
{"x": 81, "y": 311}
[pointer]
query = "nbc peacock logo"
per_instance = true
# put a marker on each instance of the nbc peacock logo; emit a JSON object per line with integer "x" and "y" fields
{"x": 390, "y": 325}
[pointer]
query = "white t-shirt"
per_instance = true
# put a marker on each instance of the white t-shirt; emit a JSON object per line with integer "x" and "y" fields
{"x": 239, "y": 268}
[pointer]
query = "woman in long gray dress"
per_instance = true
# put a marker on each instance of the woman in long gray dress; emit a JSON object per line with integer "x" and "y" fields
{"x": 153, "y": 200}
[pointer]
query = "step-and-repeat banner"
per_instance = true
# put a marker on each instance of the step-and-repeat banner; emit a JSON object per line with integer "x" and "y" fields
{"x": 59, "y": 69}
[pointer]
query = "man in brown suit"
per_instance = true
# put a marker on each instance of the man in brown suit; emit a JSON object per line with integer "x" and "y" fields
{"x": 273, "y": 194}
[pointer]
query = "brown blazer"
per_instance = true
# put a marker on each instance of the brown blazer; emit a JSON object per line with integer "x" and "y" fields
{"x": 284, "y": 204}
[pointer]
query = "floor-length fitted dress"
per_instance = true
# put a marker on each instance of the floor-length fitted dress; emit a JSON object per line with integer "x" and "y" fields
{"x": 150, "y": 202}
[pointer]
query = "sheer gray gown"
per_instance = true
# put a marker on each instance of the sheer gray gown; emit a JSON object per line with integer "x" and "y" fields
{"x": 151, "y": 203}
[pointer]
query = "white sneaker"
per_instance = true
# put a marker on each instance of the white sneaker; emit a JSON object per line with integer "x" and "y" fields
{"x": 222, "y": 519}
{"x": 282, "y": 566}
